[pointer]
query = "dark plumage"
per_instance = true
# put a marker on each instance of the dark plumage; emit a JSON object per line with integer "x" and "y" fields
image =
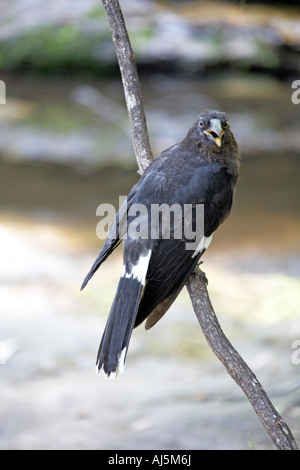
{"x": 201, "y": 169}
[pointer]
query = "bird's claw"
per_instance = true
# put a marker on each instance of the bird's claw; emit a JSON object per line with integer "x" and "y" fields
{"x": 200, "y": 273}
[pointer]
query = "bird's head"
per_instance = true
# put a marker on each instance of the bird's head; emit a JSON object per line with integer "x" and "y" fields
{"x": 213, "y": 127}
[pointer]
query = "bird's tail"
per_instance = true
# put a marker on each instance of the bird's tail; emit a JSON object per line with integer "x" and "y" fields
{"x": 114, "y": 344}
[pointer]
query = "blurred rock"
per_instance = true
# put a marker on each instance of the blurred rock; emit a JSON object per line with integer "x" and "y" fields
{"x": 86, "y": 124}
{"x": 189, "y": 37}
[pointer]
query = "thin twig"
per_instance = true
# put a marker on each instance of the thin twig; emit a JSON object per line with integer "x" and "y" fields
{"x": 235, "y": 365}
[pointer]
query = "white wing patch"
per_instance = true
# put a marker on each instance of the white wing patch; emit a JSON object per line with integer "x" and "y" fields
{"x": 138, "y": 270}
{"x": 203, "y": 245}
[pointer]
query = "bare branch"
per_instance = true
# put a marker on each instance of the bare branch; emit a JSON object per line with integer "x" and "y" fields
{"x": 235, "y": 365}
{"x": 131, "y": 84}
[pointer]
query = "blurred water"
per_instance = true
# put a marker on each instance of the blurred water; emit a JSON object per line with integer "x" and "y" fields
{"x": 65, "y": 148}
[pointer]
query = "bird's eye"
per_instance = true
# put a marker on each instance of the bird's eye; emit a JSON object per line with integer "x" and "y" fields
{"x": 225, "y": 124}
{"x": 201, "y": 124}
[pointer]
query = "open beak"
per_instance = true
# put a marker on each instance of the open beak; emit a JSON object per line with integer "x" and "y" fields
{"x": 215, "y": 132}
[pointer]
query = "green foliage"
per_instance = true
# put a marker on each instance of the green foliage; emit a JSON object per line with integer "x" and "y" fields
{"x": 63, "y": 49}
{"x": 58, "y": 48}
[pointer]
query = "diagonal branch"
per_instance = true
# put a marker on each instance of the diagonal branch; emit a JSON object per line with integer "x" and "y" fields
{"x": 221, "y": 346}
{"x": 236, "y": 366}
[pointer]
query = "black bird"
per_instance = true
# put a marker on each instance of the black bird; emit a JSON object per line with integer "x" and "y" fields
{"x": 201, "y": 169}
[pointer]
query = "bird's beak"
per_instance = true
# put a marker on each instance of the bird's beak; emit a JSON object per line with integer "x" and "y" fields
{"x": 215, "y": 131}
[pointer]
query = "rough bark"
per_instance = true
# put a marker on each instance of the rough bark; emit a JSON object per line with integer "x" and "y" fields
{"x": 131, "y": 84}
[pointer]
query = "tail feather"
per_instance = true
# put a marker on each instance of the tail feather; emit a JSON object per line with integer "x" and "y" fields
{"x": 115, "y": 341}
{"x": 116, "y": 337}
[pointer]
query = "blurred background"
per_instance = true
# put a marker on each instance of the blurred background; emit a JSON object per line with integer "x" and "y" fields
{"x": 65, "y": 148}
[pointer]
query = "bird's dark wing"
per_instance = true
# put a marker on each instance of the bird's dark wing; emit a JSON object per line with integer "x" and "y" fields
{"x": 171, "y": 263}
{"x": 114, "y": 240}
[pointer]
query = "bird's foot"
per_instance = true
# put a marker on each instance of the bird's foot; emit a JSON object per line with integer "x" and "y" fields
{"x": 200, "y": 273}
